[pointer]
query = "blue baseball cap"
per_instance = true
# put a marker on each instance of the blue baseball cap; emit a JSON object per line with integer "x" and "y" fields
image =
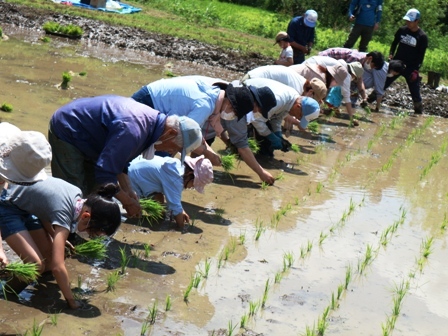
{"x": 412, "y": 15}
{"x": 310, "y": 111}
{"x": 310, "y": 18}
{"x": 191, "y": 135}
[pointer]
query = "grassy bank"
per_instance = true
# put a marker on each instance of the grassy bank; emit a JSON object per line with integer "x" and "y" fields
{"x": 226, "y": 25}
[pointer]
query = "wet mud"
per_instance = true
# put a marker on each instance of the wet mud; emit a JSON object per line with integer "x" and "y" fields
{"x": 345, "y": 226}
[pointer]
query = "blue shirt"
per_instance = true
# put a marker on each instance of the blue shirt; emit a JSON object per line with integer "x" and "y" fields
{"x": 191, "y": 97}
{"x": 162, "y": 175}
{"x": 110, "y": 130}
{"x": 299, "y": 32}
{"x": 370, "y": 12}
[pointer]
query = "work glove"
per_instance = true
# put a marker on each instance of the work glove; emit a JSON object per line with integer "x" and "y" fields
{"x": 276, "y": 142}
{"x": 414, "y": 76}
{"x": 286, "y": 145}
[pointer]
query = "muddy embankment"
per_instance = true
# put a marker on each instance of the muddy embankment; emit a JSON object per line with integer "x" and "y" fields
{"x": 435, "y": 102}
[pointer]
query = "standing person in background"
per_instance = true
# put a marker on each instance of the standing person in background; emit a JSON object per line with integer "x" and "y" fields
{"x": 301, "y": 31}
{"x": 409, "y": 46}
{"x": 367, "y": 17}
{"x": 286, "y": 56}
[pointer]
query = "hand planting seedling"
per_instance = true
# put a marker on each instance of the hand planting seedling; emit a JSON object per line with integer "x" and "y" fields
{"x": 313, "y": 126}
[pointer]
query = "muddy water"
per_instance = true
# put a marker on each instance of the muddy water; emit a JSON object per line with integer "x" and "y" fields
{"x": 353, "y": 201}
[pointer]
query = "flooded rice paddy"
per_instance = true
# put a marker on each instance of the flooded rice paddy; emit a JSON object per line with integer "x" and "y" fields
{"x": 350, "y": 241}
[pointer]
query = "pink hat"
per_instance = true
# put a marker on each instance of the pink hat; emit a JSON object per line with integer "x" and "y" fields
{"x": 203, "y": 171}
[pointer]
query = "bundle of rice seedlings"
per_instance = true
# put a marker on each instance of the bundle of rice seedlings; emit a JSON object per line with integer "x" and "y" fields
{"x": 313, "y": 126}
{"x": 24, "y": 272}
{"x": 228, "y": 162}
{"x": 295, "y": 148}
{"x": 253, "y": 145}
{"x": 153, "y": 211}
{"x": 94, "y": 248}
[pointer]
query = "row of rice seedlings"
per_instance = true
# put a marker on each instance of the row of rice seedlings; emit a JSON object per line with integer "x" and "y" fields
{"x": 400, "y": 292}
{"x": 388, "y": 232}
{"x": 435, "y": 158}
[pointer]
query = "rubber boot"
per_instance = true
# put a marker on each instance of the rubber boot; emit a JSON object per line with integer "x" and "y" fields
{"x": 418, "y": 107}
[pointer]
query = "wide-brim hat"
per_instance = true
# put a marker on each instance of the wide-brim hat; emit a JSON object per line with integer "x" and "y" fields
{"x": 191, "y": 135}
{"x": 23, "y": 155}
{"x": 265, "y": 99}
{"x": 241, "y": 100}
{"x": 203, "y": 171}
{"x": 339, "y": 73}
{"x": 356, "y": 69}
{"x": 319, "y": 88}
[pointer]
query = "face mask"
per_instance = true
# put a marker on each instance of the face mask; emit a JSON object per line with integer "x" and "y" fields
{"x": 149, "y": 152}
{"x": 367, "y": 66}
{"x": 390, "y": 74}
{"x": 227, "y": 116}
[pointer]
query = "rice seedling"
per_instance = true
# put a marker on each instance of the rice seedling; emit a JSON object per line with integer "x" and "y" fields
{"x": 265, "y": 294}
{"x": 278, "y": 277}
{"x": 5, "y": 107}
{"x": 232, "y": 244}
{"x": 280, "y": 176}
{"x": 242, "y": 237}
{"x": 231, "y": 328}
{"x": 288, "y": 259}
{"x": 427, "y": 247}
{"x": 144, "y": 328}
{"x": 66, "y": 79}
{"x": 351, "y": 207}
{"x": 153, "y": 211}
{"x": 93, "y": 248}
{"x": 348, "y": 276}
{"x": 168, "y": 303}
{"x": 340, "y": 291}
{"x": 444, "y": 223}
{"x": 310, "y": 331}
{"x": 45, "y": 39}
{"x": 196, "y": 280}
{"x": 26, "y": 272}
{"x": 302, "y": 252}
{"x": 152, "y": 313}
{"x": 79, "y": 281}
{"x": 296, "y": 201}
{"x": 313, "y": 126}
{"x": 295, "y": 148}
{"x": 322, "y": 323}
{"x": 83, "y": 73}
{"x": 54, "y": 319}
{"x": 243, "y": 321}
{"x": 348, "y": 157}
{"x": 112, "y": 280}
{"x": 309, "y": 246}
{"x": 226, "y": 253}
{"x": 188, "y": 290}
{"x": 147, "y": 250}
{"x": 228, "y": 162}
{"x": 36, "y": 329}
{"x": 333, "y": 301}
{"x": 207, "y": 265}
{"x": 253, "y": 145}
{"x": 259, "y": 229}
{"x": 1, "y": 32}
{"x": 253, "y": 307}
{"x": 220, "y": 260}
{"x": 319, "y": 187}
{"x": 322, "y": 237}
{"x": 264, "y": 185}
{"x": 124, "y": 259}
